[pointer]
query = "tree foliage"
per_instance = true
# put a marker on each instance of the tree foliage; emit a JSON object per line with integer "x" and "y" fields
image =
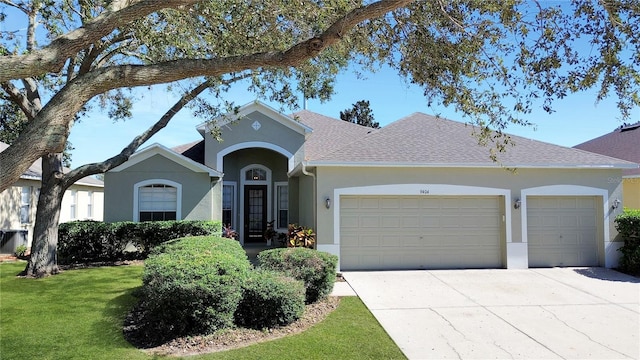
{"x": 491, "y": 60}
{"x": 360, "y": 114}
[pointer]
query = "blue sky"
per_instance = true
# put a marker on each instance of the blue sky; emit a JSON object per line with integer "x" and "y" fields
{"x": 577, "y": 118}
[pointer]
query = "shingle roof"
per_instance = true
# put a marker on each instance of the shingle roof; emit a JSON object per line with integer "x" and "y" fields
{"x": 35, "y": 172}
{"x": 622, "y": 143}
{"x": 421, "y": 139}
{"x": 193, "y": 150}
{"x": 328, "y": 133}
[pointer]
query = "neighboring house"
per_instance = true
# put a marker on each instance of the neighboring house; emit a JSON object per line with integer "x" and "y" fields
{"x": 622, "y": 143}
{"x": 418, "y": 193}
{"x": 83, "y": 200}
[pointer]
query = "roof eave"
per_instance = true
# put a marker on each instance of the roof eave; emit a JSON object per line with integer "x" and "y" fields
{"x": 157, "y": 149}
{"x": 470, "y": 165}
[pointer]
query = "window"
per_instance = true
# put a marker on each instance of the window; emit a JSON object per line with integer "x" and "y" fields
{"x": 256, "y": 174}
{"x": 157, "y": 202}
{"x": 74, "y": 204}
{"x": 282, "y": 204}
{"x": 90, "y": 204}
{"x": 228, "y": 200}
{"x": 25, "y": 205}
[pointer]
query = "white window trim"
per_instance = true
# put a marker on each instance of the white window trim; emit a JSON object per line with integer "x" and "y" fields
{"x": 244, "y": 182}
{"x": 28, "y": 204}
{"x": 73, "y": 208}
{"x": 276, "y": 203}
{"x": 90, "y": 204}
{"x": 136, "y": 191}
{"x": 234, "y": 202}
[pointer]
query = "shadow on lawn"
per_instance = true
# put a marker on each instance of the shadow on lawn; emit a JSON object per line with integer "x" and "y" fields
{"x": 110, "y": 326}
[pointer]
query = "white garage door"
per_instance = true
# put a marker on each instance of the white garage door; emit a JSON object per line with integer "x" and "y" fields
{"x": 420, "y": 232}
{"x": 562, "y": 231}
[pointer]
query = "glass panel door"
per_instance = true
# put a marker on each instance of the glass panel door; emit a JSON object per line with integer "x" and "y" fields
{"x": 255, "y": 217}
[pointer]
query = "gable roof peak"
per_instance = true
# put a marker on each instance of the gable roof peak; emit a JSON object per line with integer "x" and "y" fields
{"x": 247, "y": 109}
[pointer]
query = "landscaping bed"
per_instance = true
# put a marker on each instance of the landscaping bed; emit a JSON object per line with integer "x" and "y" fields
{"x": 233, "y": 338}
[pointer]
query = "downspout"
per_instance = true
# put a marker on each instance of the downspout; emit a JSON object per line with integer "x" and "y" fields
{"x": 212, "y": 185}
{"x": 315, "y": 201}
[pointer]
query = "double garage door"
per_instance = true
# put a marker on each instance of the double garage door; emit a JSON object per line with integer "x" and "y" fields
{"x": 420, "y": 232}
{"x": 448, "y": 232}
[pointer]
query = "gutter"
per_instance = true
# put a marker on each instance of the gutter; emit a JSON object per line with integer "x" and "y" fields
{"x": 472, "y": 165}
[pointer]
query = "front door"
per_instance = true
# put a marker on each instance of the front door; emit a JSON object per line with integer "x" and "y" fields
{"x": 255, "y": 213}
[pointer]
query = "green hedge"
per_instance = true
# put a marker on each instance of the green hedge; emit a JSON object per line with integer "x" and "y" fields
{"x": 93, "y": 241}
{"x": 192, "y": 287}
{"x": 628, "y": 226}
{"x": 270, "y": 299}
{"x": 316, "y": 269}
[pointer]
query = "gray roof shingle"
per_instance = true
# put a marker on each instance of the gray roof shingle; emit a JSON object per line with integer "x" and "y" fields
{"x": 328, "y": 133}
{"x": 421, "y": 139}
{"x": 193, "y": 150}
{"x": 622, "y": 143}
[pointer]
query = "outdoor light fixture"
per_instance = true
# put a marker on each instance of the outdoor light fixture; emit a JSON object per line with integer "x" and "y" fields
{"x": 327, "y": 203}
{"x": 615, "y": 204}
{"x": 516, "y": 204}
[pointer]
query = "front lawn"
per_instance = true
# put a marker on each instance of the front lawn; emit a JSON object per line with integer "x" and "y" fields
{"x": 78, "y": 315}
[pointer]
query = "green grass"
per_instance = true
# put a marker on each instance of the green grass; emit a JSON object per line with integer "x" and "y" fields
{"x": 78, "y": 315}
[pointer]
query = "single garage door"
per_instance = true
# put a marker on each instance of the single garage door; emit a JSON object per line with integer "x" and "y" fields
{"x": 420, "y": 232}
{"x": 562, "y": 231}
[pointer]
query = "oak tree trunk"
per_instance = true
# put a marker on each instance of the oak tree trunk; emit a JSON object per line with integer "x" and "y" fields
{"x": 44, "y": 259}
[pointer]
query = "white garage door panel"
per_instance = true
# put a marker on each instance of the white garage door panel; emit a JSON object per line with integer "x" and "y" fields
{"x": 411, "y": 232}
{"x": 562, "y": 231}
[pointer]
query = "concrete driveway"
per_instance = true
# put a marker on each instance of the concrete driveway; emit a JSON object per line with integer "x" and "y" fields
{"x": 559, "y": 313}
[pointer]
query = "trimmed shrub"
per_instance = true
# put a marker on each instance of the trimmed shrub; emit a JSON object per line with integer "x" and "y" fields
{"x": 316, "y": 269}
{"x": 83, "y": 241}
{"x": 628, "y": 226}
{"x": 270, "y": 299}
{"x": 193, "y": 287}
{"x": 92, "y": 241}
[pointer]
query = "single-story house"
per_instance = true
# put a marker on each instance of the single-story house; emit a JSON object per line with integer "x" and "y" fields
{"x": 420, "y": 193}
{"x": 84, "y": 200}
{"x": 622, "y": 143}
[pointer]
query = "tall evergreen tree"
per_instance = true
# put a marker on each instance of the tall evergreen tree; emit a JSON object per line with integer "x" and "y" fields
{"x": 360, "y": 114}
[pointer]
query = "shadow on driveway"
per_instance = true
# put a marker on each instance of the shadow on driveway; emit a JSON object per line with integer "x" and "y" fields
{"x": 606, "y": 275}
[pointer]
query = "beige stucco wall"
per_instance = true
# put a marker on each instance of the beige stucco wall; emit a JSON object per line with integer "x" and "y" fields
{"x": 513, "y": 184}
{"x": 10, "y": 202}
{"x": 241, "y": 131}
{"x": 82, "y": 204}
{"x": 198, "y": 189}
{"x": 631, "y": 192}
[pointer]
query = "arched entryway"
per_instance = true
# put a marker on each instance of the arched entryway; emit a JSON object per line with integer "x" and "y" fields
{"x": 255, "y": 192}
